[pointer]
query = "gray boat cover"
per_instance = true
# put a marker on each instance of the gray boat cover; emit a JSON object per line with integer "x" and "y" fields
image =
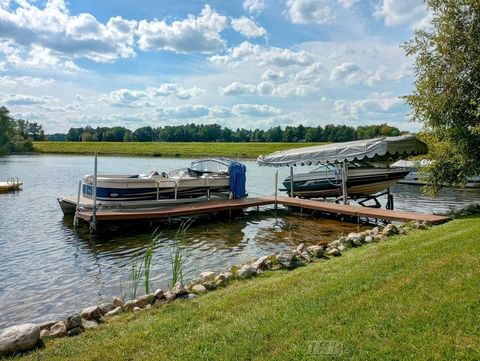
{"x": 349, "y": 151}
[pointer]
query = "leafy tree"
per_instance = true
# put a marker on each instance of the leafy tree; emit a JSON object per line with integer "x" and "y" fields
{"x": 446, "y": 99}
{"x": 6, "y": 130}
{"x": 144, "y": 134}
{"x": 10, "y": 139}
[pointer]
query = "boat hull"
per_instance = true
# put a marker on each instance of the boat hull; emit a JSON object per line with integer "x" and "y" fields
{"x": 360, "y": 182}
{"x": 68, "y": 204}
{"x": 124, "y": 188}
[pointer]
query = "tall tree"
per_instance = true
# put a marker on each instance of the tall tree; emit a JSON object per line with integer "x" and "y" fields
{"x": 6, "y": 130}
{"x": 446, "y": 99}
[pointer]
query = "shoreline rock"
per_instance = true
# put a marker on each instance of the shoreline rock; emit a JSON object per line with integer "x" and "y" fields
{"x": 19, "y": 338}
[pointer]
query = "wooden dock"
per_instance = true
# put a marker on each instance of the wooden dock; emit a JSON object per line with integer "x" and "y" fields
{"x": 203, "y": 208}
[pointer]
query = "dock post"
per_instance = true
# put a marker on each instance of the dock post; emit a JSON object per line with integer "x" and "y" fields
{"x": 75, "y": 219}
{"x": 344, "y": 182}
{"x": 93, "y": 223}
{"x": 291, "y": 181}
{"x": 276, "y": 193}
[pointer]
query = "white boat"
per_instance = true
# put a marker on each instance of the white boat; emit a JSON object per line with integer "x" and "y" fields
{"x": 363, "y": 179}
{"x": 205, "y": 179}
{"x": 415, "y": 178}
{"x": 341, "y": 176}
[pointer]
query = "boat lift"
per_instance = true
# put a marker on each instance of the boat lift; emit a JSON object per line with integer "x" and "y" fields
{"x": 341, "y": 153}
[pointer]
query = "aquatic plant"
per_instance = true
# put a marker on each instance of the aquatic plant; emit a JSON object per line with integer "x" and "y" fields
{"x": 136, "y": 273}
{"x": 178, "y": 257}
{"x": 141, "y": 265}
{"x": 147, "y": 259}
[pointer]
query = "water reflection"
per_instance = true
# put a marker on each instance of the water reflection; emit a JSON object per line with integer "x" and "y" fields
{"x": 48, "y": 270}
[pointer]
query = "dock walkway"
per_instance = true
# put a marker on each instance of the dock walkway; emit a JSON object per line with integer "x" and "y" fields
{"x": 237, "y": 204}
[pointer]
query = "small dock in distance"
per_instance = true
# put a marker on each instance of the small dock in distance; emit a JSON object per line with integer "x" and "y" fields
{"x": 10, "y": 186}
{"x": 228, "y": 205}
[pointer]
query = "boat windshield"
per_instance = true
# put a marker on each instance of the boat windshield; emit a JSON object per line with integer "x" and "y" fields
{"x": 351, "y": 165}
{"x": 209, "y": 166}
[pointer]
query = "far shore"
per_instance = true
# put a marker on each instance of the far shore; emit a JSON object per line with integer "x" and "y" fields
{"x": 167, "y": 149}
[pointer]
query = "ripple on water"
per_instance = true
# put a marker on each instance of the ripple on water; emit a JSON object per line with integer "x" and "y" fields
{"x": 47, "y": 270}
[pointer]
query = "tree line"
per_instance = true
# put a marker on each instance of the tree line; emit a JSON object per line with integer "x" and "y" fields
{"x": 216, "y": 133}
{"x": 16, "y": 135}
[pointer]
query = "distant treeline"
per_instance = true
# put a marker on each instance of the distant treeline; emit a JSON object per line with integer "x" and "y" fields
{"x": 215, "y": 133}
{"x": 16, "y": 135}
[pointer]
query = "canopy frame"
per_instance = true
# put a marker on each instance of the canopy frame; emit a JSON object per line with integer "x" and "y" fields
{"x": 377, "y": 148}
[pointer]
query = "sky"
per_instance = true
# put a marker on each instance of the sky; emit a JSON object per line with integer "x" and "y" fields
{"x": 245, "y": 63}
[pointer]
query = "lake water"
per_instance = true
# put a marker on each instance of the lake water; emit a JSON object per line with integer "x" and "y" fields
{"x": 48, "y": 270}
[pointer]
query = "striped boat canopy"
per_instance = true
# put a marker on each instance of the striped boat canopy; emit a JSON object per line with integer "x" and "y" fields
{"x": 375, "y": 149}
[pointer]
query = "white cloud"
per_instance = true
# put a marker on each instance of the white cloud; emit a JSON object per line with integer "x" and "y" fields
{"x": 147, "y": 98}
{"x": 184, "y": 111}
{"x": 248, "y": 27}
{"x": 127, "y": 98}
{"x": 254, "y": 6}
{"x": 349, "y": 73}
{"x": 256, "y": 110}
{"x": 311, "y": 11}
{"x": 170, "y": 89}
{"x": 24, "y": 100}
{"x": 193, "y": 34}
{"x": 11, "y": 81}
{"x": 273, "y": 75}
{"x": 265, "y": 88}
{"x": 218, "y": 111}
{"x": 238, "y": 88}
{"x": 53, "y": 30}
{"x": 375, "y": 107}
{"x": 311, "y": 74}
{"x": 346, "y": 4}
{"x": 401, "y": 12}
{"x": 248, "y": 52}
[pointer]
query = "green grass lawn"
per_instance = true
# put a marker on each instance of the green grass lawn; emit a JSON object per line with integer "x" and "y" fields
{"x": 413, "y": 297}
{"x": 192, "y": 149}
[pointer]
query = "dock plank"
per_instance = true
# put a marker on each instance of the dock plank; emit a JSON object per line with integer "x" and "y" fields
{"x": 235, "y": 204}
{"x": 359, "y": 211}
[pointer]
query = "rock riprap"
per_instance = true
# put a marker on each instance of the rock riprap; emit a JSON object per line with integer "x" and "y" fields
{"x": 19, "y": 338}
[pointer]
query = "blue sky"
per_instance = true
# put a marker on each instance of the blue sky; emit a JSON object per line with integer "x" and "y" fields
{"x": 246, "y": 63}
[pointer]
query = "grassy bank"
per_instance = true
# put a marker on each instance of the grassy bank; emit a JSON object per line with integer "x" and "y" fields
{"x": 192, "y": 149}
{"x": 411, "y": 297}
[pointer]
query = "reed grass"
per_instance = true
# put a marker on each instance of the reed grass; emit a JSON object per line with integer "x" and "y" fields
{"x": 178, "y": 257}
{"x": 141, "y": 265}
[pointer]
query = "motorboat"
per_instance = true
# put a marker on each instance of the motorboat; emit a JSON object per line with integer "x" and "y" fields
{"x": 414, "y": 177}
{"x": 343, "y": 170}
{"x": 363, "y": 179}
{"x": 205, "y": 179}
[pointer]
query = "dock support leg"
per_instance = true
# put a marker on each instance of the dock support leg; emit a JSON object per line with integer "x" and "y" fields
{"x": 276, "y": 194}
{"x": 291, "y": 182}
{"x": 344, "y": 183}
{"x": 93, "y": 223}
{"x": 75, "y": 219}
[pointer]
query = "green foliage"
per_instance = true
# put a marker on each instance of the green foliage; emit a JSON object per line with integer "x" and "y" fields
{"x": 17, "y": 135}
{"x": 446, "y": 99}
{"x": 215, "y": 133}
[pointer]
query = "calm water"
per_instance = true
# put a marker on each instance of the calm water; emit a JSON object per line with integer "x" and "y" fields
{"x": 47, "y": 270}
